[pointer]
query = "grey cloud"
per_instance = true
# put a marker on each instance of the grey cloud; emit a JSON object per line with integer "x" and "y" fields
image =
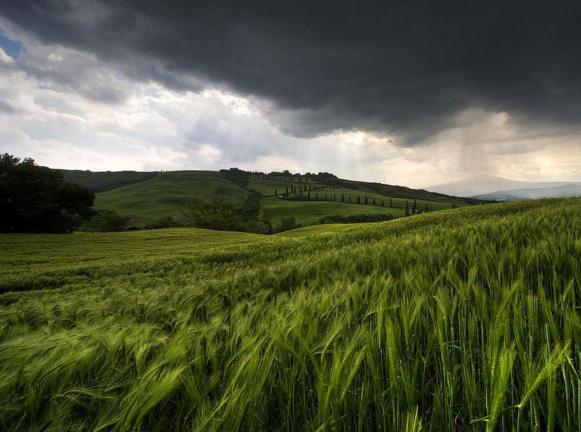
{"x": 403, "y": 67}
{"x": 6, "y": 107}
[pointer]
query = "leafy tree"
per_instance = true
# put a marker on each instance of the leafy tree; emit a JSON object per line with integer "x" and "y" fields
{"x": 287, "y": 223}
{"x": 236, "y": 175}
{"x": 217, "y": 214}
{"x": 37, "y": 199}
{"x": 251, "y": 206}
{"x": 223, "y": 215}
{"x": 163, "y": 222}
{"x": 107, "y": 221}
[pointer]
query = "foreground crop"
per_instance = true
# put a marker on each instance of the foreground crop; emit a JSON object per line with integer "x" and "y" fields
{"x": 461, "y": 320}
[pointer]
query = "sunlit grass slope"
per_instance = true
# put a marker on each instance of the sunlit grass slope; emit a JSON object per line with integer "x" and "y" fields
{"x": 167, "y": 193}
{"x": 465, "y": 319}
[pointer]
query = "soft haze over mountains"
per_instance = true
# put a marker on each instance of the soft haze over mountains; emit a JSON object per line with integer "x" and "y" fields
{"x": 502, "y": 189}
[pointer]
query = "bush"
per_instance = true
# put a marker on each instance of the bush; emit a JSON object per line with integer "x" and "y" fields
{"x": 163, "y": 222}
{"x": 288, "y": 223}
{"x": 217, "y": 214}
{"x": 106, "y": 221}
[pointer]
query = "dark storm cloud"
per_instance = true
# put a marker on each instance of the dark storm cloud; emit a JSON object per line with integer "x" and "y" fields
{"x": 404, "y": 67}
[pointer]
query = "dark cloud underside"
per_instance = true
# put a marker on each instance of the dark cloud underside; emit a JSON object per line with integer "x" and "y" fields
{"x": 404, "y": 67}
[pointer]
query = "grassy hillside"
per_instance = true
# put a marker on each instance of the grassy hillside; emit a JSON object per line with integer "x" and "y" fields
{"x": 405, "y": 192}
{"x": 155, "y": 195}
{"x": 167, "y": 193}
{"x": 80, "y": 253}
{"x": 103, "y": 181}
{"x": 464, "y": 319}
{"x": 309, "y": 212}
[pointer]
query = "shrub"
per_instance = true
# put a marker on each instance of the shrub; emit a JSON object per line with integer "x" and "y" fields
{"x": 163, "y": 222}
{"x": 105, "y": 221}
{"x": 287, "y": 224}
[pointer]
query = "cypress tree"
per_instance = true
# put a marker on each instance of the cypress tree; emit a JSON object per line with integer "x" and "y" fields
{"x": 390, "y": 205}
{"x": 426, "y": 209}
{"x": 407, "y": 208}
{"x": 342, "y": 197}
{"x": 358, "y": 200}
{"x": 275, "y": 194}
{"x": 334, "y": 196}
{"x": 415, "y": 206}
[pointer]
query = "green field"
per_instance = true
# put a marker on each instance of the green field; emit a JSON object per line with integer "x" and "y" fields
{"x": 105, "y": 180}
{"x": 309, "y": 212}
{"x": 149, "y": 196}
{"x": 397, "y": 203}
{"x": 167, "y": 193}
{"x": 465, "y": 319}
{"x": 267, "y": 187}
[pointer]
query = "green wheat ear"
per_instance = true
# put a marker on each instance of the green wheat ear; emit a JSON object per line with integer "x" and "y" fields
{"x": 459, "y": 320}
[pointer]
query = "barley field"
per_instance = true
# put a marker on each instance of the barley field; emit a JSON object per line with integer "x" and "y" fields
{"x": 465, "y": 319}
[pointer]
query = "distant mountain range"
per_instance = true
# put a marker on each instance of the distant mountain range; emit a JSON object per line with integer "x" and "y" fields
{"x": 502, "y": 189}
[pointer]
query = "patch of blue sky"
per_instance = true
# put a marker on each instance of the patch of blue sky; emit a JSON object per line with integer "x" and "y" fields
{"x": 10, "y": 46}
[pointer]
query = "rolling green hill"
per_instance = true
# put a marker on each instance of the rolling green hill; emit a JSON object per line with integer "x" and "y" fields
{"x": 106, "y": 180}
{"x": 167, "y": 193}
{"x": 150, "y": 196}
{"x": 309, "y": 212}
{"x": 464, "y": 319}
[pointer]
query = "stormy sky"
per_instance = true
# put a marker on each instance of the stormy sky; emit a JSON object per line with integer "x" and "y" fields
{"x": 411, "y": 92}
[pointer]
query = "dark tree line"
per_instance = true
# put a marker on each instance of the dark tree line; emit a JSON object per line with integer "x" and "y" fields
{"x": 360, "y": 218}
{"x": 35, "y": 199}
